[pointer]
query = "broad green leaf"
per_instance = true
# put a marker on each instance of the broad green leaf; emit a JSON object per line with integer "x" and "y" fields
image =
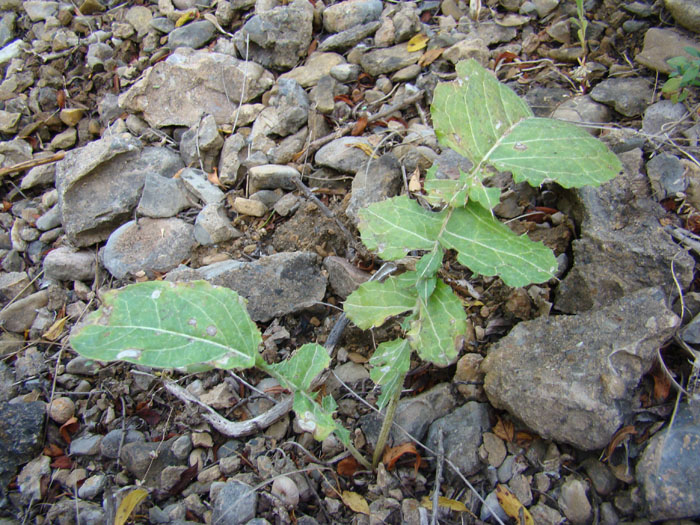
{"x": 488, "y": 123}
{"x": 318, "y": 418}
{"x": 395, "y": 226}
{"x": 473, "y": 113}
{"x": 487, "y": 197}
{"x": 168, "y": 325}
{"x": 540, "y": 149}
{"x": 672, "y": 85}
{"x": 488, "y": 247}
{"x": 298, "y": 371}
{"x": 425, "y": 287}
{"x": 374, "y": 302}
{"x": 438, "y": 332}
{"x": 390, "y": 363}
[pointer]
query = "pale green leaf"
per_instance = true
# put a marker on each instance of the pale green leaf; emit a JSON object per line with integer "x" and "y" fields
{"x": 395, "y": 226}
{"x": 487, "y": 197}
{"x": 168, "y": 325}
{"x": 390, "y": 363}
{"x": 298, "y": 371}
{"x": 318, "y": 418}
{"x": 443, "y": 190}
{"x": 488, "y": 123}
{"x": 372, "y": 303}
{"x": 438, "y": 332}
{"x": 429, "y": 264}
{"x": 539, "y": 150}
{"x": 425, "y": 287}
{"x": 488, "y": 247}
{"x": 473, "y": 113}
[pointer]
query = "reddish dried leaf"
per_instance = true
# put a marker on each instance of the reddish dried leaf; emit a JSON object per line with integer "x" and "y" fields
{"x": 426, "y": 16}
{"x": 617, "y": 439}
{"x": 399, "y": 120}
{"x": 669, "y": 204}
{"x": 61, "y": 98}
{"x": 213, "y": 177}
{"x": 662, "y": 384}
{"x": 68, "y": 428}
{"x": 504, "y": 430}
{"x": 693, "y": 223}
{"x": 52, "y": 450}
{"x": 523, "y": 439}
{"x": 506, "y": 57}
{"x": 347, "y": 467}
{"x": 343, "y": 98}
{"x": 392, "y": 455}
{"x": 359, "y": 127}
{"x": 357, "y": 95}
{"x": 149, "y": 415}
{"x": 365, "y": 80}
{"x": 62, "y": 462}
{"x": 185, "y": 478}
{"x": 312, "y": 46}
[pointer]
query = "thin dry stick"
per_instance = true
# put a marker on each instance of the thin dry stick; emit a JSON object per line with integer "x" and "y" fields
{"x": 21, "y": 166}
{"x": 438, "y": 477}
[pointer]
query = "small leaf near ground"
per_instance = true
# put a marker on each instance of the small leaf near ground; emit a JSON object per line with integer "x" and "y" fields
{"x": 298, "y": 371}
{"x": 355, "y": 502}
{"x": 128, "y": 504}
{"x": 390, "y": 363}
{"x": 167, "y": 325}
{"x": 448, "y": 503}
{"x": 512, "y": 506}
{"x": 393, "y": 454}
{"x": 373, "y": 302}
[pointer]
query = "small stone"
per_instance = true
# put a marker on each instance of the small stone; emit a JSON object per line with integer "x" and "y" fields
{"x": 249, "y": 207}
{"x": 85, "y": 445}
{"x": 495, "y": 448}
{"x": 272, "y": 176}
{"x": 350, "y": 13}
{"x": 162, "y": 197}
{"x": 92, "y": 487}
{"x": 29, "y": 479}
{"x": 342, "y": 155}
{"x": 465, "y": 49}
{"x": 345, "y": 72}
{"x": 61, "y": 409}
{"x": 109, "y": 446}
{"x": 212, "y": 226}
{"x": 202, "y": 439}
{"x": 65, "y": 264}
{"x": 20, "y": 315}
{"x": 574, "y": 502}
{"x": 193, "y": 35}
{"x": 234, "y": 504}
{"x": 662, "y": 44}
{"x": 196, "y": 182}
{"x": 83, "y": 366}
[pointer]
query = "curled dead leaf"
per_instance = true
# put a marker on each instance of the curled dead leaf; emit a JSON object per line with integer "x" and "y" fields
{"x": 512, "y": 506}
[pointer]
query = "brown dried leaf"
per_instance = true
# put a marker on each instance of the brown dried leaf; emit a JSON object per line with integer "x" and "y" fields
{"x": 68, "y": 428}
{"x": 392, "y": 455}
{"x": 355, "y": 502}
{"x": 56, "y": 329}
{"x": 359, "y": 127}
{"x": 430, "y": 56}
{"x": 618, "y": 438}
{"x": 414, "y": 185}
{"x": 365, "y": 148}
{"x": 347, "y": 467}
{"x": 504, "y": 430}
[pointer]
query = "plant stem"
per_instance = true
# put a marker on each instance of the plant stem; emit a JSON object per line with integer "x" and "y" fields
{"x": 386, "y": 426}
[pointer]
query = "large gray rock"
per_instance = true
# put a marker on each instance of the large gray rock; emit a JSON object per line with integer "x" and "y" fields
{"x": 669, "y": 470}
{"x": 462, "y": 432}
{"x": 685, "y": 13}
{"x": 376, "y": 181}
{"x": 342, "y": 16}
{"x": 190, "y": 84}
{"x": 662, "y": 44}
{"x": 573, "y": 378}
{"x": 99, "y": 184}
{"x": 21, "y": 440}
{"x": 274, "y": 285}
{"x": 151, "y": 245}
{"x": 622, "y": 246}
{"x": 628, "y": 96}
{"x": 277, "y": 38}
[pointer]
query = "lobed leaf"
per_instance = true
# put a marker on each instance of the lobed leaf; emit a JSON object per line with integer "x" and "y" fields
{"x": 438, "y": 332}
{"x": 488, "y": 247}
{"x": 373, "y": 302}
{"x": 298, "y": 371}
{"x": 395, "y": 226}
{"x": 318, "y": 418}
{"x": 390, "y": 363}
{"x": 168, "y": 325}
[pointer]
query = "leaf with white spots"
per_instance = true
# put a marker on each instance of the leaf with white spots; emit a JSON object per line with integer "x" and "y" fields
{"x": 373, "y": 302}
{"x": 439, "y": 329}
{"x": 317, "y": 418}
{"x": 169, "y": 325}
{"x": 390, "y": 363}
{"x": 485, "y": 121}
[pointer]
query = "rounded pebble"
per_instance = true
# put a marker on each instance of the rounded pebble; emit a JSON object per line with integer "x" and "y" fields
{"x": 61, "y": 409}
{"x": 285, "y": 488}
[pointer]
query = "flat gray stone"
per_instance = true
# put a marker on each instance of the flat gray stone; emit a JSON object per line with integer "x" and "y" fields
{"x": 190, "y": 84}
{"x": 387, "y": 60}
{"x": 196, "y": 182}
{"x": 628, "y": 96}
{"x": 573, "y": 378}
{"x": 202, "y": 142}
{"x": 274, "y": 285}
{"x": 212, "y": 226}
{"x": 661, "y": 118}
{"x": 193, "y": 35}
{"x": 343, "y": 277}
{"x": 669, "y": 471}
{"x": 66, "y": 264}
{"x": 151, "y": 245}
{"x": 21, "y": 440}
{"x": 271, "y": 177}
{"x": 348, "y": 38}
{"x": 686, "y": 13}
{"x": 341, "y": 155}
{"x": 162, "y": 197}
{"x": 235, "y": 504}
{"x": 99, "y": 184}
{"x": 342, "y": 16}
{"x": 20, "y": 315}
{"x": 376, "y": 181}
{"x": 660, "y": 44}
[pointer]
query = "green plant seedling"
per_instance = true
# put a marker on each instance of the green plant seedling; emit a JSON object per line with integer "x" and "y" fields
{"x": 190, "y": 325}
{"x": 187, "y": 325}
{"x": 485, "y": 121}
{"x": 685, "y": 72}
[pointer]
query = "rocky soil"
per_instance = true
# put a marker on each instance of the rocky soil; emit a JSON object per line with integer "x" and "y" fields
{"x": 235, "y": 141}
